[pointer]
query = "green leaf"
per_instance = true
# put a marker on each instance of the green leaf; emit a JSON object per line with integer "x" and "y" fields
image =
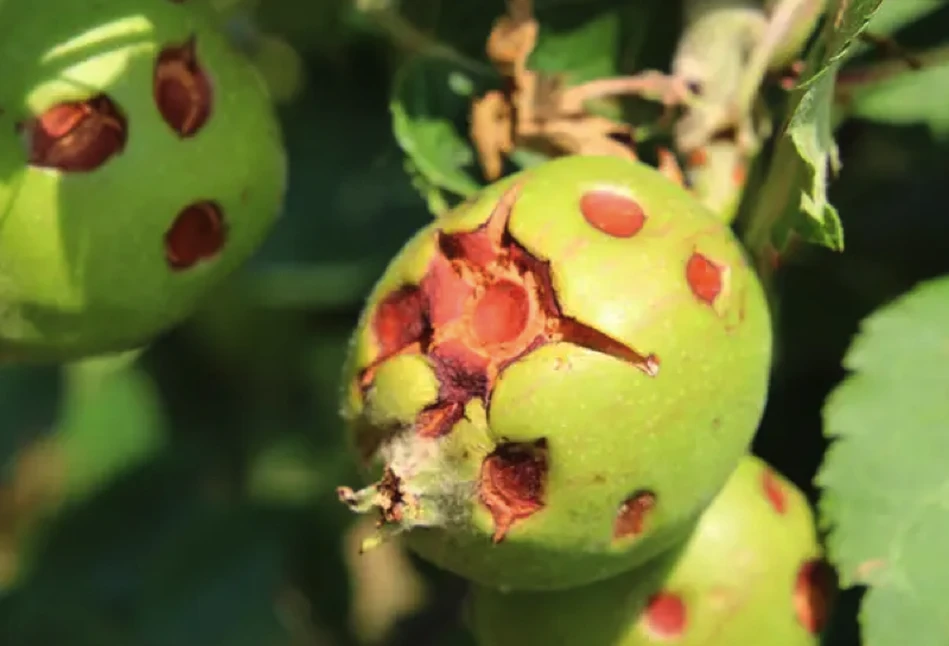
{"x": 884, "y": 478}
{"x": 794, "y": 195}
{"x": 434, "y": 197}
{"x": 846, "y": 20}
{"x": 811, "y": 128}
{"x": 811, "y": 131}
{"x": 430, "y": 102}
{"x": 582, "y": 53}
{"x": 582, "y": 42}
{"x": 586, "y": 41}
{"x": 908, "y": 98}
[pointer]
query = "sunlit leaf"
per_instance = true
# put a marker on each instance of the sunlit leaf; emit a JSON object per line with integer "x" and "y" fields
{"x": 430, "y": 103}
{"x": 884, "y": 478}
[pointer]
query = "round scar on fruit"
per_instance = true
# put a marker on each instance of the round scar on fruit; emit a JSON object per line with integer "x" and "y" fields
{"x": 751, "y": 572}
{"x": 140, "y": 163}
{"x": 551, "y": 381}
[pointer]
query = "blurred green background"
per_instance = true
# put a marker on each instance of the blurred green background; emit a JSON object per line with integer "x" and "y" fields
{"x": 186, "y": 496}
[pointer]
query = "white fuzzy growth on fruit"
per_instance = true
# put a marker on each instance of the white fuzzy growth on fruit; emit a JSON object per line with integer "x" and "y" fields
{"x": 427, "y": 485}
{"x": 429, "y": 472}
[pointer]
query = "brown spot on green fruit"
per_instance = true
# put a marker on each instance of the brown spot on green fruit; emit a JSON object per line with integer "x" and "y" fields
{"x": 439, "y": 418}
{"x": 666, "y": 616}
{"x": 182, "y": 88}
{"x": 512, "y": 483}
{"x": 704, "y": 278}
{"x": 198, "y": 233}
{"x": 813, "y": 588}
{"x": 76, "y": 136}
{"x": 613, "y": 213}
{"x": 399, "y": 320}
{"x": 633, "y": 514}
{"x": 773, "y": 491}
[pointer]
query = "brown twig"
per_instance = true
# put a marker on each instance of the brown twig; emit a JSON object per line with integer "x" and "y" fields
{"x": 852, "y": 78}
{"x": 651, "y": 84}
{"x": 536, "y": 111}
{"x": 889, "y": 47}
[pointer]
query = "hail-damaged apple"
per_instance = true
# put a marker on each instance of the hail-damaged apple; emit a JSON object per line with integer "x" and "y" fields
{"x": 553, "y": 380}
{"x": 142, "y": 163}
{"x": 751, "y": 572}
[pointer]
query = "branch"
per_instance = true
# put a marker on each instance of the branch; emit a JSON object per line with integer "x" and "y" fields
{"x": 855, "y": 78}
{"x": 652, "y": 85}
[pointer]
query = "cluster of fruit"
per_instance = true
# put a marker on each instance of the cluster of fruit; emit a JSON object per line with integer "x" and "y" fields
{"x": 140, "y": 163}
{"x": 556, "y": 385}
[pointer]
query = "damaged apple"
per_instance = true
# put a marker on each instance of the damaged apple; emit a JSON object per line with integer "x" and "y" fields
{"x": 752, "y": 571}
{"x": 142, "y": 164}
{"x": 554, "y": 379}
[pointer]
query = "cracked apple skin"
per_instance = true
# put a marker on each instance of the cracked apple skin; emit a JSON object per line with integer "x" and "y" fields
{"x": 141, "y": 162}
{"x": 555, "y": 378}
{"x": 751, "y": 573}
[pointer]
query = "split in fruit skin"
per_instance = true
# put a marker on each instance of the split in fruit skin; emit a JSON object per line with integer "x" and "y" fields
{"x": 484, "y": 303}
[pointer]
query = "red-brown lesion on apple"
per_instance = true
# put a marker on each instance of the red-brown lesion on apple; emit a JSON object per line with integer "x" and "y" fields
{"x": 76, "y": 136}
{"x": 705, "y": 278}
{"x": 484, "y": 302}
{"x": 513, "y": 483}
{"x": 400, "y": 321}
{"x": 400, "y": 324}
{"x": 666, "y": 616}
{"x": 182, "y": 88}
{"x": 712, "y": 284}
{"x": 774, "y": 491}
{"x": 198, "y": 233}
{"x": 633, "y": 515}
{"x": 814, "y": 588}
{"x": 611, "y": 212}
